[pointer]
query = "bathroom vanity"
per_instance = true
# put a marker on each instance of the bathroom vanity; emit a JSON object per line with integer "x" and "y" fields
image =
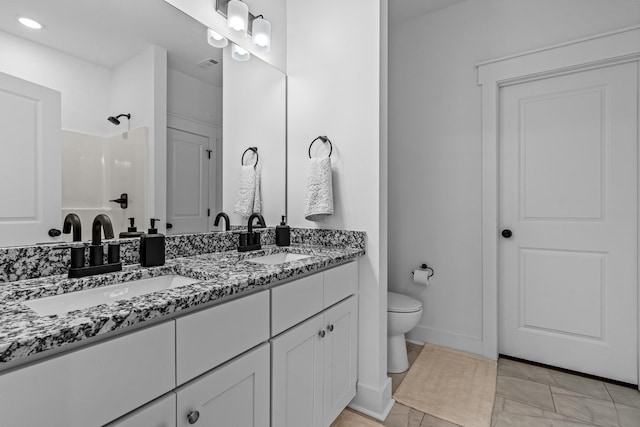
{"x": 251, "y": 344}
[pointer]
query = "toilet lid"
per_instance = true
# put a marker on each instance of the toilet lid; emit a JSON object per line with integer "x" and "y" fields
{"x": 398, "y": 303}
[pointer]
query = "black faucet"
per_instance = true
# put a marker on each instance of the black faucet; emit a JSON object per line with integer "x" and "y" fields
{"x": 250, "y": 240}
{"x": 101, "y": 221}
{"x": 73, "y": 221}
{"x": 260, "y": 222}
{"x": 227, "y": 225}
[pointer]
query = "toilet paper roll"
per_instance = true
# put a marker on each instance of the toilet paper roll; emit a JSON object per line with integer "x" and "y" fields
{"x": 421, "y": 277}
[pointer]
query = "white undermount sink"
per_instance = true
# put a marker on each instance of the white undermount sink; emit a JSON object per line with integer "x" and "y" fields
{"x": 64, "y": 303}
{"x": 279, "y": 258}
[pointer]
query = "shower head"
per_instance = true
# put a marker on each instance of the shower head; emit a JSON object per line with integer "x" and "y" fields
{"x": 115, "y": 120}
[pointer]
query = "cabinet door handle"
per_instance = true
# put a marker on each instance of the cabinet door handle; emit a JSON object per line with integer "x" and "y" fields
{"x": 193, "y": 417}
{"x": 330, "y": 328}
{"x": 322, "y": 333}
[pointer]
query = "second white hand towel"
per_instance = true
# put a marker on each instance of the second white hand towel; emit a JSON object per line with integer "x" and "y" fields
{"x": 246, "y": 192}
{"x": 319, "y": 201}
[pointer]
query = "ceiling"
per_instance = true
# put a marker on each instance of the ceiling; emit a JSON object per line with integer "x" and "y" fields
{"x": 404, "y": 10}
{"x": 108, "y": 32}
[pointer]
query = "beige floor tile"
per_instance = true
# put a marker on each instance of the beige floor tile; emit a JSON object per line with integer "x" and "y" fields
{"x": 624, "y": 395}
{"x": 529, "y": 392}
{"x": 413, "y": 350}
{"x": 585, "y": 408}
{"x": 628, "y": 416}
{"x": 431, "y": 421}
{"x": 511, "y": 368}
{"x": 396, "y": 379}
{"x": 509, "y": 406}
{"x": 403, "y": 416}
{"x": 580, "y": 384}
{"x": 516, "y": 420}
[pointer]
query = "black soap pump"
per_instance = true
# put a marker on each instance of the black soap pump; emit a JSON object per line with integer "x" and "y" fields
{"x": 132, "y": 231}
{"x": 152, "y": 247}
{"x": 283, "y": 233}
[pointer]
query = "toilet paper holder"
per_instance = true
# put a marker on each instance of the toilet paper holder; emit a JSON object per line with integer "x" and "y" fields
{"x": 427, "y": 268}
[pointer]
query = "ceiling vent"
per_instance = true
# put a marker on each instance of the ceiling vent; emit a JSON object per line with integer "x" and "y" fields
{"x": 208, "y": 63}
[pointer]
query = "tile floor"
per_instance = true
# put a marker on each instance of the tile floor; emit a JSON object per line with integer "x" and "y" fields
{"x": 532, "y": 396}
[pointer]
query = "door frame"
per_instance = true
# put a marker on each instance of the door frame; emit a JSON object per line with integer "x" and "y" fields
{"x": 621, "y": 46}
{"x": 214, "y": 133}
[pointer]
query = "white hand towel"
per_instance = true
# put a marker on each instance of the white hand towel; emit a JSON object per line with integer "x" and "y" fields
{"x": 246, "y": 192}
{"x": 257, "y": 196}
{"x": 319, "y": 201}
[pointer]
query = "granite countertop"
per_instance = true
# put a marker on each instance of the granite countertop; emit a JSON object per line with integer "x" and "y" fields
{"x": 24, "y": 333}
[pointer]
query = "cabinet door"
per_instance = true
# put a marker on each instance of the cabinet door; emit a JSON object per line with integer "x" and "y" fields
{"x": 296, "y": 393}
{"x": 235, "y": 394}
{"x": 340, "y": 347}
{"x": 159, "y": 413}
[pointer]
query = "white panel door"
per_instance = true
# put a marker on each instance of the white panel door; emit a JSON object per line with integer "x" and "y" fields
{"x": 187, "y": 182}
{"x": 31, "y": 184}
{"x": 568, "y": 192}
{"x": 340, "y": 357}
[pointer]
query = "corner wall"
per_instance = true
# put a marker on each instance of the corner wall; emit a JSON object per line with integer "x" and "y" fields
{"x": 435, "y": 129}
{"x": 335, "y": 68}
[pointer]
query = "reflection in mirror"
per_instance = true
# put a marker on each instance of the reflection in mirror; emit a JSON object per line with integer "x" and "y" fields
{"x": 103, "y": 60}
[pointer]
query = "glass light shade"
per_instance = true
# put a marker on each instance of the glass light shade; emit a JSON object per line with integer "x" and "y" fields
{"x": 238, "y": 53}
{"x": 215, "y": 39}
{"x": 261, "y": 35}
{"x": 237, "y": 16}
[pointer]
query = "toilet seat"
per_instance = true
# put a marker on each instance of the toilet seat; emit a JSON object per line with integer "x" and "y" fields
{"x": 398, "y": 303}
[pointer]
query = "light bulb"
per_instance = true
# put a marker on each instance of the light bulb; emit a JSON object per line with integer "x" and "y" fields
{"x": 237, "y": 16}
{"x": 215, "y": 39}
{"x": 30, "y": 23}
{"x": 261, "y": 35}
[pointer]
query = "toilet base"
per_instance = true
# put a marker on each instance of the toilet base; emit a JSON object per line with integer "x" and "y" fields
{"x": 397, "y": 360}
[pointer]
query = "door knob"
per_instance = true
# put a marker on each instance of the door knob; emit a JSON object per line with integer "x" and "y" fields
{"x": 193, "y": 417}
{"x": 330, "y": 328}
{"x": 54, "y": 232}
{"x": 506, "y": 233}
{"x": 322, "y": 333}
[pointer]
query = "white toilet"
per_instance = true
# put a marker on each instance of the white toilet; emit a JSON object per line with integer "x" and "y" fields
{"x": 403, "y": 314}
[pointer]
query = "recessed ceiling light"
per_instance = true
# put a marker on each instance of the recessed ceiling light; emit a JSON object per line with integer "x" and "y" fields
{"x": 30, "y": 23}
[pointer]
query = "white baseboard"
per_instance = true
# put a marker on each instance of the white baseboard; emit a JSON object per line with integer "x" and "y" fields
{"x": 422, "y": 334}
{"x": 376, "y": 403}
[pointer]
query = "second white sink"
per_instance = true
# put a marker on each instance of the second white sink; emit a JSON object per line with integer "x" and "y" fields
{"x": 278, "y": 258}
{"x": 64, "y": 303}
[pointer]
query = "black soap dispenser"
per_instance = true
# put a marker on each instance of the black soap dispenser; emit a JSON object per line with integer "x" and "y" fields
{"x": 152, "y": 247}
{"x": 283, "y": 233}
{"x": 132, "y": 231}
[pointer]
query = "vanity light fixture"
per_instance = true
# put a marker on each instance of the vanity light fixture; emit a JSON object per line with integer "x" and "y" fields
{"x": 215, "y": 39}
{"x": 261, "y": 37}
{"x": 27, "y": 22}
{"x": 239, "y": 54}
{"x": 238, "y": 16}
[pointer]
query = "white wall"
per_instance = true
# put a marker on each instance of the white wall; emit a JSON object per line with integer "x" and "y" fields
{"x": 194, "y": 99}
{"x": 254, "y": 115}
{"x": 139, "y": 88}
{"x": 273, "y": 10}
{"x": 85, "y": 86}
{"x": 334, "y": 66}
{"x": 435, "y": 134}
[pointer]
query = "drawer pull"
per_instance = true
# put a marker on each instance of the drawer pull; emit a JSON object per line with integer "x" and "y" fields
{"x": 322, "y": 333}
{"x": 193, "y": 417}
{"x": 330, "y": 328}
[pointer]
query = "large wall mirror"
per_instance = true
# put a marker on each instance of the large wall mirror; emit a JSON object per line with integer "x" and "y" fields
{"x": 150, "y": 60}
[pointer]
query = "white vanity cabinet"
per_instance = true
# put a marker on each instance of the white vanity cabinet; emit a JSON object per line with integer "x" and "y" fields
{"x": 314, "y": 364}
{"x": 235, "y": 394}
{"x": 92, "y": 385}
